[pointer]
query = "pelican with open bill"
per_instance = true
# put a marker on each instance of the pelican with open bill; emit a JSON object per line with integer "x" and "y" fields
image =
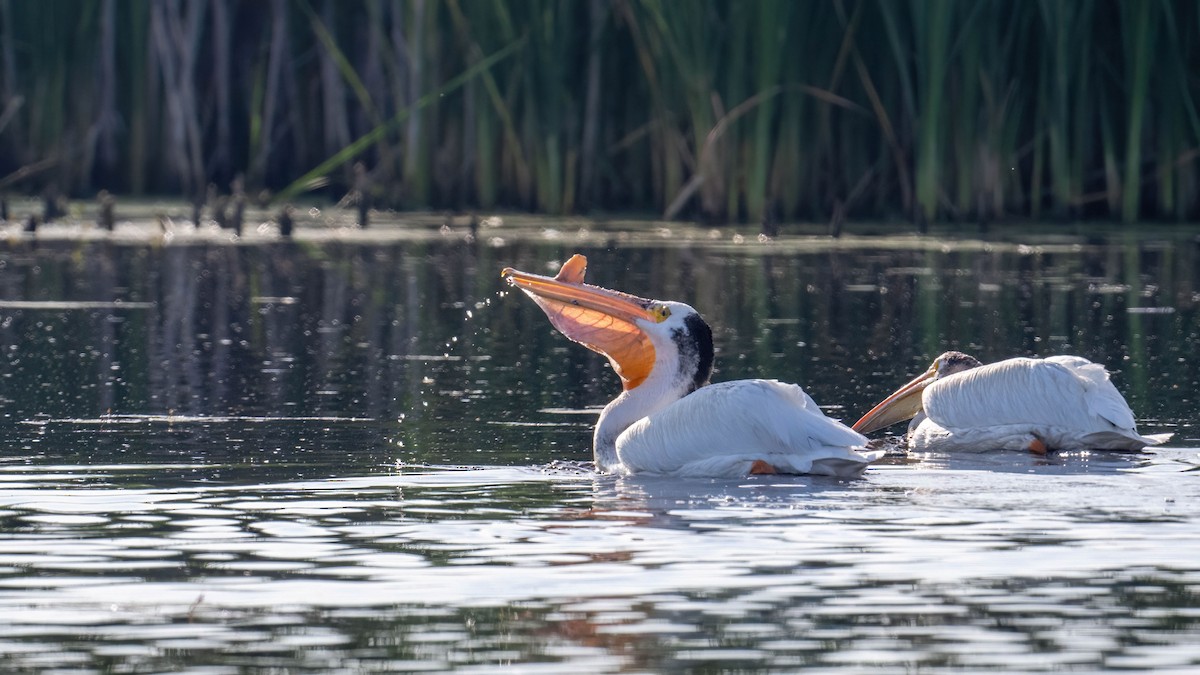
{"x": 1056, "y": 403}
{"x": 668, "y": 419}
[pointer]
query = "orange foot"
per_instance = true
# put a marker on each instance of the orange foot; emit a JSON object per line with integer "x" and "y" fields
{"x": 1037, "y": 447}
{"x": 760, "y": 467}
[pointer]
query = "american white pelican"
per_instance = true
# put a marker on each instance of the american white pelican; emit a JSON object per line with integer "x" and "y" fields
{"x": 1059, "y": 403}
{"x": 669, "y": 419}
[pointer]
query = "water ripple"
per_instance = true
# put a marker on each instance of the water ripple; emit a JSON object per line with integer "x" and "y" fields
{"x": 956, "y": 566}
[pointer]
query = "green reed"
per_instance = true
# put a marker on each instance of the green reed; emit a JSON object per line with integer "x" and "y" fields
{"x": 731, "y": 110}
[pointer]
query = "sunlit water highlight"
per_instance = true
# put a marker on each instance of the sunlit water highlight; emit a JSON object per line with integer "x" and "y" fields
{"x": 999, "y": 562}
{"x": 353, "y": 456}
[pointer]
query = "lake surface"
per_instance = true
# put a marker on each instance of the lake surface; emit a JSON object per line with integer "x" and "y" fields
{"x": 357, "y": 452}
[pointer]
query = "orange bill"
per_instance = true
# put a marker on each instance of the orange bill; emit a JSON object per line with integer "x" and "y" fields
{"x": 600, "y": 319}
{"x": 573, "y": 270}
{"x": 902, "y": 405}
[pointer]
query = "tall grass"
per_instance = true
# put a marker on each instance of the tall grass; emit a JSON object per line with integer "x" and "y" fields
{"x": 723, "y": 110}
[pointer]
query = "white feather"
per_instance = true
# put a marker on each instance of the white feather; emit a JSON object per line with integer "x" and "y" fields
{"x": 1067, "y": 402}
{"x": 722, "y": 429}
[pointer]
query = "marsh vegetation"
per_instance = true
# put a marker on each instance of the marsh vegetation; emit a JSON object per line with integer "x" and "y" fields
{"x": 768, "y": 110}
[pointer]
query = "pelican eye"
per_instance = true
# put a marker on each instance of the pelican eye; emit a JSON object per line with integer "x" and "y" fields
{"x": 660, "y": 313}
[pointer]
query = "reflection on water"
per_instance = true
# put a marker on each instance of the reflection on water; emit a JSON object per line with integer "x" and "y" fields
{"x": 433, "y": 569}
{"x": 357, "y": 455}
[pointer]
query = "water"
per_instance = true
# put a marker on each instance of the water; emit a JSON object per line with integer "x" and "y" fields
{"x": 355, "y": 453}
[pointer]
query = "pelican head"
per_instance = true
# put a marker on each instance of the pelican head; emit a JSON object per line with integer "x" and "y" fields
{"x": 906, "y": 402}
{"x": 661, "y": 350}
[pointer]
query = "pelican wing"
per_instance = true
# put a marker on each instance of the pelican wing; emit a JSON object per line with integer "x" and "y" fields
{"x": 722, "y": 429}
{"x": 1101, "y": 396}
{"x": 1014, "y": 391}
{"x": 1067, "y": 401}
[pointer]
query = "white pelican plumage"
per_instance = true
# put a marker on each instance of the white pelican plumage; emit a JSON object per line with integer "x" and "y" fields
{"x": 1059, "y": 403}
{"x": 668, "y": 419}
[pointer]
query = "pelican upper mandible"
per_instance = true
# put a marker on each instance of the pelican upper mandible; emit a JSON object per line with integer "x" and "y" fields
{"x": 668, "y": 419}
{"x": 1060, "y": 403}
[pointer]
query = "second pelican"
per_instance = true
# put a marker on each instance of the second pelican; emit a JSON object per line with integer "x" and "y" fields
{"x": 1059, "y": 403}
{"x": 668, "y": 419}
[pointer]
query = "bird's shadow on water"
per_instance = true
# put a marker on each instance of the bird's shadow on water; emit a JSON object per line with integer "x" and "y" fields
{"x": 668, "y": 501}
{"x": 1074, "y": 462}
{"x": 675, "y": 502}
{"x": 1061, "y": 462}
{"x": 659, "y": 493}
